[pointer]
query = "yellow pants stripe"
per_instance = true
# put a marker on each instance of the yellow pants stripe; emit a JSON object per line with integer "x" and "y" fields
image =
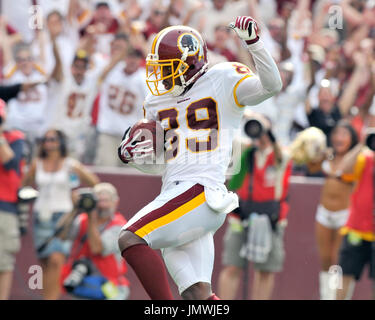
{"x": 172, "y": 216}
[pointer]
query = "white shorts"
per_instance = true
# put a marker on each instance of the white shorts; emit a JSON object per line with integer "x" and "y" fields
{"x": 331, "y": 219}
{"x": 180, "y": 222}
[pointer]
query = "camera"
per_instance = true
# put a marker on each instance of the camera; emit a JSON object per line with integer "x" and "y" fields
{"x": 87, "y": 200}
{"x": 370, "y": 139}
{"x": 80, "y": 269}
{"x": 254, "y": 128}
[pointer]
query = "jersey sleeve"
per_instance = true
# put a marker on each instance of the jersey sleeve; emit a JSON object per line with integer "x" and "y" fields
{"x": 228, "y": 76}
{"x": 266, "y": 83}
{"x": 241, "y": 86}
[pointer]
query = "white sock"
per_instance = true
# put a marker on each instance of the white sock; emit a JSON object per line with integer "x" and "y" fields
{"x": 331, "y": 292}
{"x": 326, "y": 280}
{"x": 323, "y": 285}
{"x": 350, "y": 292}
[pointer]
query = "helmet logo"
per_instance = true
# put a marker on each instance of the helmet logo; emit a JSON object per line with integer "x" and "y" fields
{"x": 187, "y": 40}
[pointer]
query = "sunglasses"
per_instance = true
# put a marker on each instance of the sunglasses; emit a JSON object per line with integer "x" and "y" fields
{"x": 158, "y": 13}
{"x": 48, "y": 139}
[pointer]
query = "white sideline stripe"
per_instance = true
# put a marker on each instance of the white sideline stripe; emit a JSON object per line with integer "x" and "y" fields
{"x": 134, "y": 172}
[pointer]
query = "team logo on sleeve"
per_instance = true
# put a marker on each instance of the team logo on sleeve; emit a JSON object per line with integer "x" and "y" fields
{"x": 187, "y": 40}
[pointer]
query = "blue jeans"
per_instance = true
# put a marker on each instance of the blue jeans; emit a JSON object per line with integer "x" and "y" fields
{"x": 42, "y": 230}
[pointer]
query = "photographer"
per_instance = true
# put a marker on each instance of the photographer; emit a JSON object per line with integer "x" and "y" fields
{"x": 95, "y": 269}
{"x": 262, "y": 185}
{"x": 11, "y": 150}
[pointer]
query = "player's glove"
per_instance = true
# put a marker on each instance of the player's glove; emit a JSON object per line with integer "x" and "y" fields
{"x": 133, "y": 149}
{"x": 246, "y": 28}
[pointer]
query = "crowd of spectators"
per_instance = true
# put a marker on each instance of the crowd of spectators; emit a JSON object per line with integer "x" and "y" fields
{"x": 86, "y": 61}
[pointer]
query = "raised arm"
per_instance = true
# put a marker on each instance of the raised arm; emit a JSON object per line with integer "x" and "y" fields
{"x": 321, "y": 16}
{"x": 114, "y": 61}
{"x": 350, "y": 159}
{"x": 57, "y": 73}
{"x": 5, "y": 43}
{"x": 351, "y": 15}
{"x": 369, "y": 104}
{"x": 350, "y": 92}
{"x": 73, "y": 10}
{"x": 254, "y": 90}
{"x": 193, "y": 9}
{"x": 267, "y": 83}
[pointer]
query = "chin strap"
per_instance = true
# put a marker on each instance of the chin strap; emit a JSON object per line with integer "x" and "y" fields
{"x": 179, "y": 89}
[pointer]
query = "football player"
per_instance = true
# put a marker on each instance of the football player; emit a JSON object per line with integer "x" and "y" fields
{"x": 199, "y": 109}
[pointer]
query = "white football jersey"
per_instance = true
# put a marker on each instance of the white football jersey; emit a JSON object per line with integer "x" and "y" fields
{"x": 73, "y": 104}
{"x": 200, "y": 125}
{"x": 121, "y": 100}
{"x": 26, "y": 112}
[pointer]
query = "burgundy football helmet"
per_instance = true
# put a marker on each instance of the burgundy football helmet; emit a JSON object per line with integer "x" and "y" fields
{"x": 177, "y": 52}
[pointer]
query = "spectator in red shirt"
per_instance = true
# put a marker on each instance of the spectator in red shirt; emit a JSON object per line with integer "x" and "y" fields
{"x": 357, "y": 248}
{"x": 11, "y": 150}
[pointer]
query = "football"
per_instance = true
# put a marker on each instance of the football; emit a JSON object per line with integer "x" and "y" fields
{"x": 150, "y": 130}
